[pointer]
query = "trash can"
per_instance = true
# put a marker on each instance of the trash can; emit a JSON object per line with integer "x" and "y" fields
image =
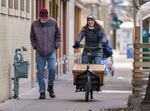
{"x": 130, "y": 51}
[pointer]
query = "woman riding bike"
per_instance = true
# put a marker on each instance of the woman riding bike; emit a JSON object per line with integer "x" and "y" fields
{"x": 94, "y": 36}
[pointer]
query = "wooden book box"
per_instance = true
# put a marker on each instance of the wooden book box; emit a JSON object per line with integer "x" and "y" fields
{"x": 98, "y": 69}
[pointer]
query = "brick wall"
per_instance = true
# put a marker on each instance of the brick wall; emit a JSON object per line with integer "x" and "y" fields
{"x": 14, "y": 33}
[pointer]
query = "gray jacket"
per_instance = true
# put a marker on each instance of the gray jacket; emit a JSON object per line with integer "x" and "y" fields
{"x": 46, "y": 37}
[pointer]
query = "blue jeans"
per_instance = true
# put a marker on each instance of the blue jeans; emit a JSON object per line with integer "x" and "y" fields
{"x": 91, "y": 59}
{"x": 41, "y": 63}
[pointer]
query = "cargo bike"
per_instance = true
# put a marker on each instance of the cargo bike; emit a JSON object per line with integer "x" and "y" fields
{"x": 88, "y": 77}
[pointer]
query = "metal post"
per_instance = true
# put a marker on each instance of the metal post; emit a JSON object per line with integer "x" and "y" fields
{"x": 16, "y": 87}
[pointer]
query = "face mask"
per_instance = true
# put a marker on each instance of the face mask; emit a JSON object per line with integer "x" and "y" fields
{"x": 43, "y": 21}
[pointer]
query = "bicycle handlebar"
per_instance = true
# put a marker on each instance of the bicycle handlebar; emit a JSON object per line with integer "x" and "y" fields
{"x": 91, "y": 47}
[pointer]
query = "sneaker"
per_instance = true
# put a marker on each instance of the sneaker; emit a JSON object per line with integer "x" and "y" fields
{"x": 42, "y": 95}
{"x": 51, "y": 91}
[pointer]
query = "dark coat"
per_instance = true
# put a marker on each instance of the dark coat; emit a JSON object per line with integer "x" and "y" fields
{"x": 46, "y": 37}
{"x": 93, "y": 37}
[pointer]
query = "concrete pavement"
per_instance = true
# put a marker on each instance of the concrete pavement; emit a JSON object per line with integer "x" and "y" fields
{"x": 114, "y": 93}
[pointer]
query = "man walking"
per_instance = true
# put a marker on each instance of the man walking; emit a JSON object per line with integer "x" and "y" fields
{"x": 45, "y": 39}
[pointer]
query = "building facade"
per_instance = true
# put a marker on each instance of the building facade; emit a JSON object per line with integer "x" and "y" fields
{"x": 15, "y": 20}
{"x": 16, "y": 17}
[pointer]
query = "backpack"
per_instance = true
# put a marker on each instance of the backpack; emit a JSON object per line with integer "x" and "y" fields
{"x": 107, "y": 51}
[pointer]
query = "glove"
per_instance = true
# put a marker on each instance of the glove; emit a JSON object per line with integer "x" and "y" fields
{"x": 103, "y": 44}
{"x": 76, "y": 46}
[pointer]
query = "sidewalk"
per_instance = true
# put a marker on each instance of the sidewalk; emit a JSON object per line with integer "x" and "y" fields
{"x": 114, "y": 93}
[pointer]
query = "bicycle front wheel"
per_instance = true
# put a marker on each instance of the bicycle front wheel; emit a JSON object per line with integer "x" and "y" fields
{"x": 87, "y": 89}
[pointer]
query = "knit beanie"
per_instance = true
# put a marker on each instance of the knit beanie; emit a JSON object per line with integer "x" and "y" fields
{"x": 43, "y": 13}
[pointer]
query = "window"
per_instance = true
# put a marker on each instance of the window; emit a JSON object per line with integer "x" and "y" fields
{"x": 10, "y": 4}
{"x": 16, "y": 4}
{"x": 27, "y": 6}
{"x": 3, "y": 3}
{"x": 22, "y": 5}
{"x": 144, "y": 1}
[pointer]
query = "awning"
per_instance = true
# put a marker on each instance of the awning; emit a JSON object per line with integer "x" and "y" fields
{"x": 145, "y": 10}
{"x": 127, "y": 25}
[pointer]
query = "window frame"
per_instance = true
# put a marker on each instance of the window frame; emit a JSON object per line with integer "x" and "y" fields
{"x": 15, "y": 9}
{"x": 11, "y": 4}
{"x": 22, "y": 12}
{"x": 3, "y": 9}
{"x": 16, "y": 5}
{"x": 28, "y": 9}
{"x": 5, "y": 3}
{"x": 0, "y": 6}
{"x": 11, "y": 11}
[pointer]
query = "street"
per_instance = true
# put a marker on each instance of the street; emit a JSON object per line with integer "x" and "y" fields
{"x": 114, "y": 93}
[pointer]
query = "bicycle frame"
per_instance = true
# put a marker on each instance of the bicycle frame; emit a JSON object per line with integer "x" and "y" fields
{"x": 84, "y": 83}
{"x": 88, "y": 81}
